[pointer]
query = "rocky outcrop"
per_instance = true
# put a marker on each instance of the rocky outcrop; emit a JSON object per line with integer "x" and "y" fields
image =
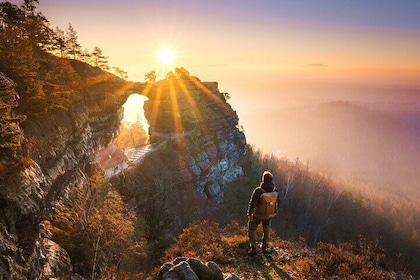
{"x": 51, "y": 173}
{"x": 202, "y": 127}
{"x": 27, "y": 251}
{"x": 192, "y": 269}
{"x": 48, "y": 175}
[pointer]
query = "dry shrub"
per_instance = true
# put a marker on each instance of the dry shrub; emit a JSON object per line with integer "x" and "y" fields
{"x": 111, "y": 273}
{"x": 235, "y": 235}
{"x": 239, "y": 241}
{"x": 303, "y": 266}
{"x": 350, "y": 261}
{"x": 343, "y": 269}
{"x": 234, "y": 229}
{"x": 202, "y": 240}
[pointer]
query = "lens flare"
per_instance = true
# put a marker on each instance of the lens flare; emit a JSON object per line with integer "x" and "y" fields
{"x": 166, "y": 56}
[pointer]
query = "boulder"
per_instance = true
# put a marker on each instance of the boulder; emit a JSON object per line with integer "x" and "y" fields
{"x": 231, "y": 276}
{"x": 212, "y": 189}
{"x": 201, "y": 270}
{"x": 181, "y": 271}
{"x": 217, "y": 272}
{"x": 183, "y": 268}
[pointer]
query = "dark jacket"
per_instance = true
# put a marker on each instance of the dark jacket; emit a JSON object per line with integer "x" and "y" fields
{"x": 268, "y": 187}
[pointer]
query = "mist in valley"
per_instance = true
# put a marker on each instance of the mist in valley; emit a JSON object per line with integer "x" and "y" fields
{"x": 363, "y": 136}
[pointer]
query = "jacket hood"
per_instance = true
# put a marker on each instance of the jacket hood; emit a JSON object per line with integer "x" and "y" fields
{"x": 268, "y": 187}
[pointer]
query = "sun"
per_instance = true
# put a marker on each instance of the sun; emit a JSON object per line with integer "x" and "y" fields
{"x": 166, "y": 56}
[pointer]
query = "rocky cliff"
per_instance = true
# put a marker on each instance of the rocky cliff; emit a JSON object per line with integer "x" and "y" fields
{"x": 202, "y": 127}
{"x": 49, "y": 173}
{"x": 58, "y": 149}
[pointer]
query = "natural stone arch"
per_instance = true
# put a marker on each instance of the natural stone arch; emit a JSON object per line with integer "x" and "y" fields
{"x": 130, "y": 144}
{"x": 134, "y": 129}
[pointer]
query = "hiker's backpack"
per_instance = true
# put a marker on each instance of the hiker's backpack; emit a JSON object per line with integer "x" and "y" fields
{"x": 267, "y": 204}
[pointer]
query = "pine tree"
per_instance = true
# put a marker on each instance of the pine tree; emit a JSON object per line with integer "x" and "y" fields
{"x": 150, "y": 77}
{"x": 98, "y": 59}
{"x": 85, "y": 56}
{"x": 36, "y": 26}
{"x": 10, "y": 133}
{"x": 17, "y": 55}
{"x": 59, "y": 42}
{"x": 73, "y": 48}
{"x": 121, "y": 72}
{"x": 181, "y": 72}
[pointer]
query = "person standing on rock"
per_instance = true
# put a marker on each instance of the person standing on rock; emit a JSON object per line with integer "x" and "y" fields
{"x": 262, "y": 206}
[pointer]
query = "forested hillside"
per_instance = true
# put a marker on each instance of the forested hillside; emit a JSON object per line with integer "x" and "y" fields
{"x": 319, "y": 208}
{"x": 44, "y": 62}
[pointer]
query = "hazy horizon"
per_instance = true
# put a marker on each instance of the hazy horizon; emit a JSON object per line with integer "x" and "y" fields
{"x": 361, "y": 134}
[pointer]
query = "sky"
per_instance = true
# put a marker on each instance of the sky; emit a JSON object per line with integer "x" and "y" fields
{"x": 346, "y": 41}
{"x": 269, "y": 55}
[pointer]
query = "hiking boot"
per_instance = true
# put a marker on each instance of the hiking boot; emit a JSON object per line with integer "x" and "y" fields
{"x": 252, "y": 251}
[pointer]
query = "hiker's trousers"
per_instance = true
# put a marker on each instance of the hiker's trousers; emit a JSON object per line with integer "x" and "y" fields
{"x": 252, "y": 232}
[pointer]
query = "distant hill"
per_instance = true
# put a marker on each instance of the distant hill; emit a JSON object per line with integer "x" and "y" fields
{"x": 373, "y": 143}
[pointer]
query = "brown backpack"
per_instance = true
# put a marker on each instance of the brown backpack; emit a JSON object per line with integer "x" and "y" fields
{"x": 268, "y": 203}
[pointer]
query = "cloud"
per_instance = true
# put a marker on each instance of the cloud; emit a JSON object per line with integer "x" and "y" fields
{"x": 316, "y": 65}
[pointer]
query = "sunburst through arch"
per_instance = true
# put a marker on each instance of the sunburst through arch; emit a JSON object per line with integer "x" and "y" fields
{"x": 170, "y": 92}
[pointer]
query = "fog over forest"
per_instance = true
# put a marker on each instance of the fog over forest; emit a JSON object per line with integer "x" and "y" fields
{"x": 361, "y": 135}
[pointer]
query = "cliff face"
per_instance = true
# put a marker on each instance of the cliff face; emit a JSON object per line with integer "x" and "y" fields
{"x": 50, "y": 174}
{"x": 59, "y": 148}
{"x": 201, "y": 127}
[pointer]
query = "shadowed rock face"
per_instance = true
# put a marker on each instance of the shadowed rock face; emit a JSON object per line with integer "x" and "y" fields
{"x": 58, "y": 149}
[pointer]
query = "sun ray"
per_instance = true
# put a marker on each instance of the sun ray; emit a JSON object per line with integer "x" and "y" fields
{"x": 171, "y": 92}
{"x": 175, "y": 107}
{"x": 91, "y": 81}
{"x": 146, "y": 90}
{"x": 190, "y": 99}
{"x": 155, "y": 109}
{"x": 215, "y": 98}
